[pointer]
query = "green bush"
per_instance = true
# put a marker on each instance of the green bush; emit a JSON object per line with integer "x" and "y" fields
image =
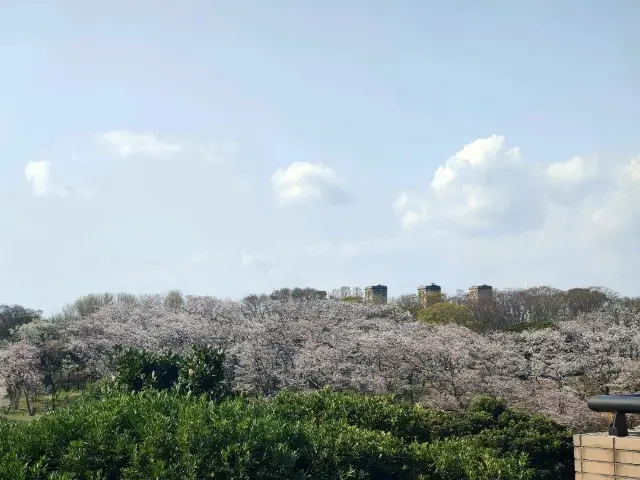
{"x": 138, "y": 369}
{"x": 441, "y": 313}
{"x": 320, "y": 435}
{"x": 487, "y": 420}
{"x": 549, "y": 446}
{"x": 201, "y": 371}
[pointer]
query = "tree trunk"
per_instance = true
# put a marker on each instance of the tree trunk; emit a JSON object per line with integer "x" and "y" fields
{"x": 54, "y": 394}
{"x": 28, "y": 400}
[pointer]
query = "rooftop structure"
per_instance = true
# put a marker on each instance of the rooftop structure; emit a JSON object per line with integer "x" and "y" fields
{"x": 481, "y": 293}
{"x": 375, "y": 294}
{"x": 428, "y": 295}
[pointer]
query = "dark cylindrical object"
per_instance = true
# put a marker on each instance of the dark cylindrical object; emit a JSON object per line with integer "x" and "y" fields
{"x": 629, "y": 403}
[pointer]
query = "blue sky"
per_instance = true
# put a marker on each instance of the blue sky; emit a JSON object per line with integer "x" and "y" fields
{"x": 228, "y": 147}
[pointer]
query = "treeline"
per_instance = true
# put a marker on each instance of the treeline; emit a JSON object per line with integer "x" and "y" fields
{"x": 546, "y": 352}
{"x": 172, "y": 416}
{"x": 509, "y": 308}
{"x": 535, "y": 307}
{"x": 516, "y": 309}
{"x": 271, "y": 346}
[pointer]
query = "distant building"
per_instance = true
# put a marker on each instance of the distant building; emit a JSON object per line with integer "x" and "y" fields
{"x": 481, "y": 293}
{"x": 375, "y": 294}
{"x": 428, "y": 295}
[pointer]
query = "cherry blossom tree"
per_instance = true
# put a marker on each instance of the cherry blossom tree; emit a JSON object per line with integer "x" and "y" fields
{"x": 19, "y": 373}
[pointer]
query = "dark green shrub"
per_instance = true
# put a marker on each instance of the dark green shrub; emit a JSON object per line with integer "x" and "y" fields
{"x": 201, "y": 371}
{"x": 487, "y": 421}
{"x": 491, "y": 405}
{"x": 322, "y": 435}
{"x": 137, "y": 369}
{"x": 371, "y": 412}
{"x": 549, "y": 445}
{"x": 458, "y": 458}
{"x": 382, "y": 412}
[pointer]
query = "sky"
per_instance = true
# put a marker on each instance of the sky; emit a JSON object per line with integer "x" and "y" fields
{"x": 238, "y": 146}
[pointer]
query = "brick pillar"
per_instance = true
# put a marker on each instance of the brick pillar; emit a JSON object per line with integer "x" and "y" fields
{"x": 599, "y": 456}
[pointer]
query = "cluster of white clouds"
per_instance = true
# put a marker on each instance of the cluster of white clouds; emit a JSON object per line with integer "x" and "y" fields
{"x": 301, "y": 183}
{"x": 579, "y": 215}
{"x": 489, "y": 188}
{"x": 485, "y": 186}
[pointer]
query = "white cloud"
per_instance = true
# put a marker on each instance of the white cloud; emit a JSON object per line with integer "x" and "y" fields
{"x": 481, "y": 187}
{"x": 633, "y": 169}
{"x": 131, "y": 144}
{"x": 401, "y": 203}
{"x": 303, "y": 183}
{"x": 574, "y": 170}
{"x": 486, "y": 190}
{"x": 126, "y": 143}
{"x": 38, "y": 174}
{"x": 628, "y": 178}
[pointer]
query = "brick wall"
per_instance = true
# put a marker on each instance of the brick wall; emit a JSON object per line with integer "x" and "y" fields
{"x": 599, "y": 456}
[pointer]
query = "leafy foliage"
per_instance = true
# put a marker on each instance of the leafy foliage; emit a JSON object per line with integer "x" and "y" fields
{"x": 12, "y": 316}
{"x": 138, "y": 369}
{"x": 162, "y": 434}
{"x": 445, "y": 312}
{"x": 200, "y": 371}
